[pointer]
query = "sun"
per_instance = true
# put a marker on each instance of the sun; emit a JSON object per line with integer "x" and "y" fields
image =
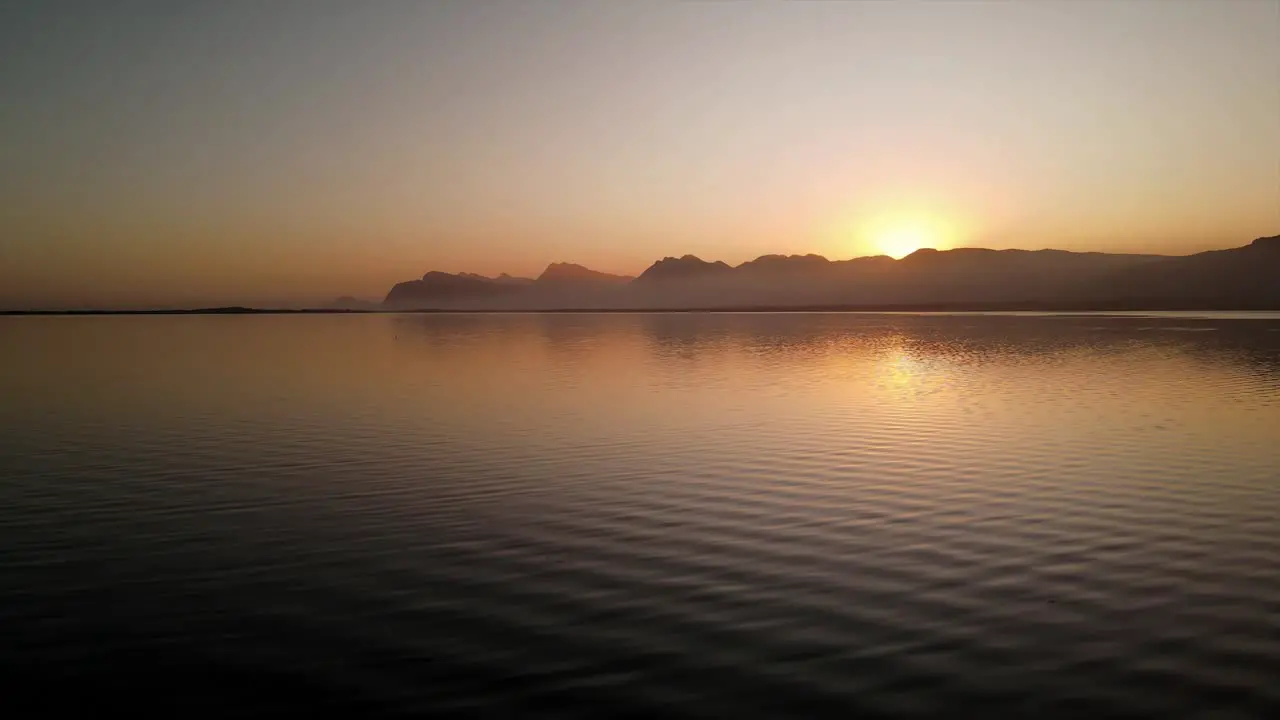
{"x": 900, "y": 238}
{"x": 898, "y": 233}
{"x": 899, "y": 242}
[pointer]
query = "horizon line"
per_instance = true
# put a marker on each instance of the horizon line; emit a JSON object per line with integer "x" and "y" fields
{"x": 819, "y": 255}
{"x": 848, "y": 259}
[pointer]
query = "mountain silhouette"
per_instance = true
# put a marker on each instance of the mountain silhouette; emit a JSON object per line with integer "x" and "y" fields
{"x": 785, "y": 264}
{"x": 685, "y": 268}
{"x": 445, "y": 288}
{"x": 1239, "y": 278}
{"x": 511, "y": 280}
{"x": 1244, "y": 278}
{"x": 569, "y": 273}
{"x": 503, "y": 279}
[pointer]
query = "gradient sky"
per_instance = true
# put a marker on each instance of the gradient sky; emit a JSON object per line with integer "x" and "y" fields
{"x": 170, "y": 153}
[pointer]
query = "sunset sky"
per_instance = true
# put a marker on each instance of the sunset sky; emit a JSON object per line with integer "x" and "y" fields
{"x": 172, "y": 153}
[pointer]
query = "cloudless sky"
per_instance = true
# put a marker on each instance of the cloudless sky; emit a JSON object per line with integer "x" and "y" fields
{"x": 170, "y": 152}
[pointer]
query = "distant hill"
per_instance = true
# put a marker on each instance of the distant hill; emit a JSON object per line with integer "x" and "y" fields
{"x": 570, "y": 274}
{"x": 438, "y": 289}
{"x": 503, "y": 279}
{"x": 1240, "y": 278}
{"x": 683, "y": 269}
{"x": 1243, "y": 278}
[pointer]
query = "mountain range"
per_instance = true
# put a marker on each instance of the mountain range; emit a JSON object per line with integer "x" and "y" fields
{"x": 1246, "y": 277}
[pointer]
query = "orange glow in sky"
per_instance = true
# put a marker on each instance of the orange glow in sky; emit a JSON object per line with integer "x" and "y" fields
{"x": 266, "y": 153}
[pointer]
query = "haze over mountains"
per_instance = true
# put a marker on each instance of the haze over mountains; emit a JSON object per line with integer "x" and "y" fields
{"x": 1247, "y": 277}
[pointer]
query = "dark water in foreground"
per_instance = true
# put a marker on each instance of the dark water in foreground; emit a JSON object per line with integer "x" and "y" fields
{"x": 647, "y": 515}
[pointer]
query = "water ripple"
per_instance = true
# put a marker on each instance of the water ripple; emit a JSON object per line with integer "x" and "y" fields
{"x": 699, "y": 515}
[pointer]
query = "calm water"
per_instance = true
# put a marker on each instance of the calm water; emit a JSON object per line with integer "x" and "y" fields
{"x": 713, "y": 515}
